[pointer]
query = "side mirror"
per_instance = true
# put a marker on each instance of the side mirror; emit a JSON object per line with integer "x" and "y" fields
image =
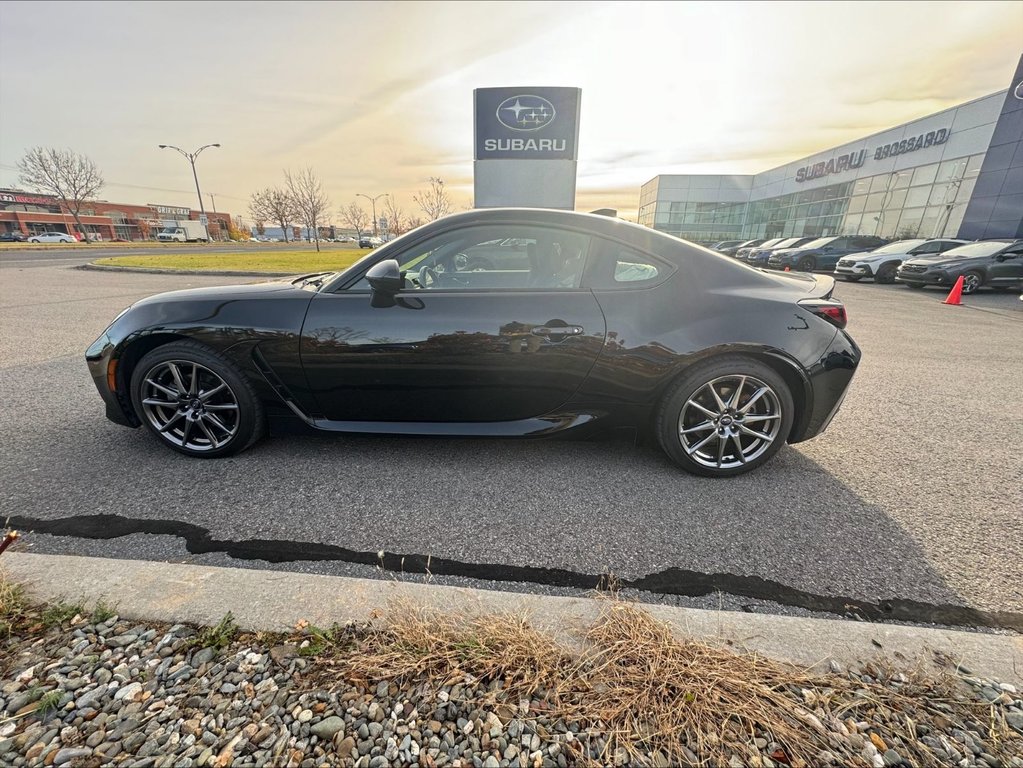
{"x": 385, "y": 277}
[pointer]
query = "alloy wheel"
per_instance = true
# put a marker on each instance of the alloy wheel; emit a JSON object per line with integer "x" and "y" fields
{"x": 971, "y": 282}
{"x": 729, "y": 421}
{"x": 189, "y": 405}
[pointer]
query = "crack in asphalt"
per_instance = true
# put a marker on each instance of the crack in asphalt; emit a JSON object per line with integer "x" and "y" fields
{"x": 671, "y": 581}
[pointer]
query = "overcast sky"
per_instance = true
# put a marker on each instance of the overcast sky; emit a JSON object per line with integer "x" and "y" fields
{"x": 377, "y": 97}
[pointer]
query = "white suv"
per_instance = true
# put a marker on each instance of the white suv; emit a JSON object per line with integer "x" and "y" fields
{"x": 882, "y": 262}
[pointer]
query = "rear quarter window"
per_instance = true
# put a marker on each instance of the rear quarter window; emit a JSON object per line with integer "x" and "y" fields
{"x": 617, "y": 266}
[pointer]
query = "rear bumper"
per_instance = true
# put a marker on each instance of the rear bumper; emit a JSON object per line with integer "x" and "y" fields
{"x": 829, "y": 381}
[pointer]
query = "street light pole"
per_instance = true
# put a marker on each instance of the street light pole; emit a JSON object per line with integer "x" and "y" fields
{"x": 373, "y": 200}
{"x": 191, "y": 157}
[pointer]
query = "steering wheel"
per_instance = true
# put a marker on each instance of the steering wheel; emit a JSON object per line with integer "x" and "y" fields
{"x": 427, "y": 274}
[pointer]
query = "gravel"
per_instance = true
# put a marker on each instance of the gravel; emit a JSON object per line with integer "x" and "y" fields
{"x": 122, "y": 693}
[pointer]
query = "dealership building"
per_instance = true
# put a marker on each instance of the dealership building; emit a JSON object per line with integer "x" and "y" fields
{"x": 956, "y": 173}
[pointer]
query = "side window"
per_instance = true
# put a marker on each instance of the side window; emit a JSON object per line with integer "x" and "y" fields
{"x": 928, "y": 248}
{"x": 495, "y": 257}
{"x": 618, "y": 266}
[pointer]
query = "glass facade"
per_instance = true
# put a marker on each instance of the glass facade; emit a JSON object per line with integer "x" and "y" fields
{"x": 927, "y": 201}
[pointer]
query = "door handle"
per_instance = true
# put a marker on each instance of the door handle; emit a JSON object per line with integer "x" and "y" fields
{"x": 557, "y": 330}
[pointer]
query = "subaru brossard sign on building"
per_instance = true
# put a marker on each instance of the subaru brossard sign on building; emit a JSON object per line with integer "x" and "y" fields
{"x": 526, "y": 146}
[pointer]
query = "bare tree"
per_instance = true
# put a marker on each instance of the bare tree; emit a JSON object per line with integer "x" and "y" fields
{"x": 273, "y": 204}
{"x": 395, "y": 217}
{"x": 311, "y": 201}
{"x": 433, "y": 202}
{"x": 63, "y": 173}
{"x": 355, "y": 217}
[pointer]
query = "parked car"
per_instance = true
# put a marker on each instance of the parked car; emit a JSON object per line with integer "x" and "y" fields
{"x": 13, "y": 236}
{"x": 52, "y": 237}
{"x": 370, "y": 242}
{"x": 726, "y": 244}
{"x": 881, "y": 263}
{"x": 731, "y": 250}
{"x": 991, "y": 263}
{"x": 758, "y": 256}
{"x": 822, "y": 253}
{"x": 612, "y": 324}
{"x": 743, "y": 251}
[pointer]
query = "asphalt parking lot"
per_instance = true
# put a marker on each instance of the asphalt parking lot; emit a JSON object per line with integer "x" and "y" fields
{"x": 908, "y": 507}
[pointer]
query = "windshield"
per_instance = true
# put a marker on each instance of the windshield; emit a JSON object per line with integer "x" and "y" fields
{"x": 820, "y": 242}
{"x": 902, "y": 246}
{"x": 789, "y": 241}
{"x": 973, "y": 250}
{"x": 773, "y": 242}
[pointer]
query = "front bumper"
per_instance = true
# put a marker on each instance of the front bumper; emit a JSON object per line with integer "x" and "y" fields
{"x": 103, "y": 369}
{"x": 855, "y": 270}
{"x": 925, "y": 278}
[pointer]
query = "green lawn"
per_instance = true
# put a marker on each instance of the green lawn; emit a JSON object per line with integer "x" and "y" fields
{"x": 290, "y": 262}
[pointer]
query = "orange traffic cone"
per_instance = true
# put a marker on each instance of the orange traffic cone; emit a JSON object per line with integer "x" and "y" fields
{"x": 955, "y": 294}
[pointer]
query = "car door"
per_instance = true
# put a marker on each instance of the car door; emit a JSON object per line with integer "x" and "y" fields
{"x": 461, "y": 342}
{"x": 1006, "y": 268}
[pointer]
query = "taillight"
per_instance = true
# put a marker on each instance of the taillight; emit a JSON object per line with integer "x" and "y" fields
{"x": 831, "y": 310}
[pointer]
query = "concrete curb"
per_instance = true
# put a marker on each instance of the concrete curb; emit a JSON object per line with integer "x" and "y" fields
{"x": 209, "y": 272}
{"x": 276, "y": 600}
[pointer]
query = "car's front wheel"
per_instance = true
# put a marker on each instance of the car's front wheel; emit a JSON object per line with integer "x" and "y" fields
{"x": 886, "y": 274}
{"x": 196, "y": 401}
{"x": 807, "y": 264}
{"x": 972, "y": 281}
{"x": 725, "y": 416}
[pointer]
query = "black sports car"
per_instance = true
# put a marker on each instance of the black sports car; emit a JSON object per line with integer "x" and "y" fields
{"x": 606, "y": 323}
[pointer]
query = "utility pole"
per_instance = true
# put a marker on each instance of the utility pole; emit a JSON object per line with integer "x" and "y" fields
{"x": 373, "y": 200}
{"x": 191, "y": 157}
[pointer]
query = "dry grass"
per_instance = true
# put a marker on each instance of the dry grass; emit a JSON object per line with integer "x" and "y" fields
{"x": 644, "y": 689}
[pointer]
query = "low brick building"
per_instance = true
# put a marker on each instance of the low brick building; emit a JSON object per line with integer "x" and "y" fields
{"x": 31, "y": 213}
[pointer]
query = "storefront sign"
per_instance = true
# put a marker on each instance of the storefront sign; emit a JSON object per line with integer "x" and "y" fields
{"x": 170, "y": 210}
{"x": 856, "y": 159}
{"x": 912, "y": 144}
{"x": 14, "y": 197}
{"x": 834, "y": 165}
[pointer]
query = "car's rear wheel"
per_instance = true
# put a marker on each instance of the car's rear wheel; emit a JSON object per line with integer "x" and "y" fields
{"x": 725, "y": 416}
{"x": 886, "y": 274}
{"x": 972, "y": 281}
{"x": 196, "y": 401}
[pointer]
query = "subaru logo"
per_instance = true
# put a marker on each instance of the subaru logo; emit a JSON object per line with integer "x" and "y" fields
{"x": 525, "y": 113}
{"x": 1018, "y": 93}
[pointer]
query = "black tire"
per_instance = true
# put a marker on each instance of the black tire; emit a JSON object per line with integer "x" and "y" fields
{"x": 807, "y": 264}
{"x": 226, "y": 420}
{"x": 725, "y": 374}
{"x": 886, "y": 274}
{"x": 972, "y": 280}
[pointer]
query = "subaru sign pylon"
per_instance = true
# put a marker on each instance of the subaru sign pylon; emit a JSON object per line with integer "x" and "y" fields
{"x": 526, "y": 146}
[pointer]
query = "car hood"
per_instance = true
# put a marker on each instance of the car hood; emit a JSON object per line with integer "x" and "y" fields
{"x": 250, "y": 290}
{"x": 938, "y": 259}
{"x": 795, "y": 252}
